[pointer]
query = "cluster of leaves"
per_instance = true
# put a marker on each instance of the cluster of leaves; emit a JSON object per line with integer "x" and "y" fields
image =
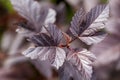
{"x": 53, "y": 45}
{"x": 109, "y": 49}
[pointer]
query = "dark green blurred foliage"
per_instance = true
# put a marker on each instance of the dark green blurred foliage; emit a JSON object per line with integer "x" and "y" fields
{"x": 5, "y": 11}
{"x": 104, "y": 1}
{"x": 69, "y": 10}
{"x": 7, "y": 5}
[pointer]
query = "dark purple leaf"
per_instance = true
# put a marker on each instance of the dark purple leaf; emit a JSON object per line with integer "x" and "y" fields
{"x": 94, "y": 14}
{"x": 77, "y": 21}
{"x": 55, "y": 33}
{"x": 95, "y": 32}
{"x": 87, "y": 26}
{"x": 69, "y": 72}
{"x": 83, "y": 60}
{"x": 93, "y": 35}
{"x": 36, "y": 15}
{"x": 53, "y": 38}
{"x": 42, "y": 40}
{"x": 54, "y": 55}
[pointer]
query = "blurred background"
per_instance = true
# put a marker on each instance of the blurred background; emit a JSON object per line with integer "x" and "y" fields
{"x": 14, "y": 66}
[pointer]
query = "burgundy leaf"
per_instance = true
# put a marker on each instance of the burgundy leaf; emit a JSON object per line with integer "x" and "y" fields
{"x": 87, "y": 26}
{"x": 94, "y": 14}
{"x": 69, "y": 72}
{"x": 36, "y": 15}
{"x": 53, "y": 38}
{"x": 101, "y": 19}
{"x": 92, "y": 39}
{"x": 54, "y": 55}
{"x": 83, "y": 61}
{"x": 95, "y": 33}
{"x": 81, "y": 21}
{"x": 42, "y": 40}
{"x": 55, "y": 33}
{"x": 77, "y": 21}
